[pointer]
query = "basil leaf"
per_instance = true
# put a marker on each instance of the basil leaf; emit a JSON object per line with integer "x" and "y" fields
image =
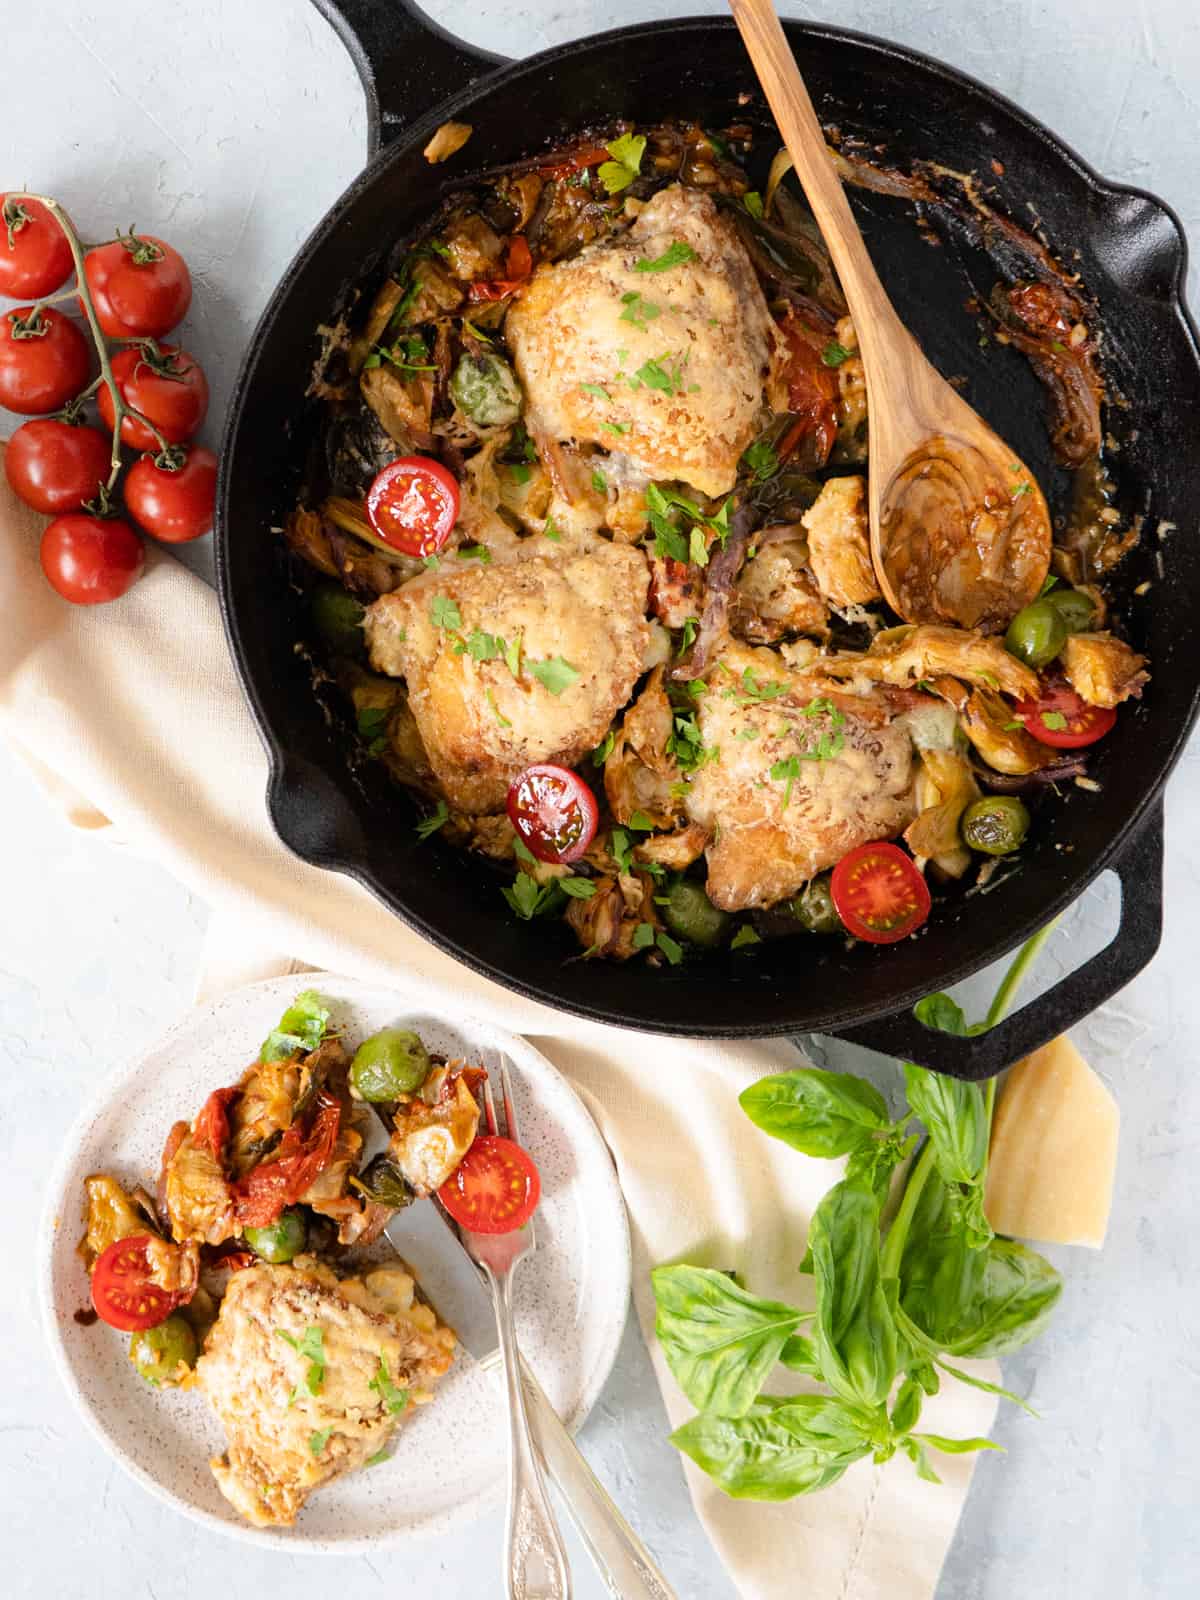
{"x": 955, "y": 1114}
{"x": 957, "y": 1447}
{"x": 719, "y": 1341}
{"x": 917, "y": 1455}
{"x": 855, "y": 1330}
{"x": 906, "y": 1412}
{"x": 940, "y": 1012}
{"x": 382, "y": 1181}
{"x": 799, "y": 1354}
{"x": 818, "y": 1113}
{"x": 780, "y": 1449}
{"x": 301, "y": 1028}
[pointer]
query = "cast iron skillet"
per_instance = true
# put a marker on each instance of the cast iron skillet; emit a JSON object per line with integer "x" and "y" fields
{"x": 1131, "y": 252}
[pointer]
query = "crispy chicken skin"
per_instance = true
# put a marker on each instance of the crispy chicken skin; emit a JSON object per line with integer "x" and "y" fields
{"x": 704, "y": 321}
{"x": 904, "y": 656}
{"x": 769, "y": 840}
{"x": 275, "y": 1409}
{"x": 482, "y": 725}
{"x": 1103, "y": 670}
{"x": 839, "y": 546}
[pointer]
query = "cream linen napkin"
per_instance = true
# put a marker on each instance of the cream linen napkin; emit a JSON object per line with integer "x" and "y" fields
{"x": 131, "y": 718}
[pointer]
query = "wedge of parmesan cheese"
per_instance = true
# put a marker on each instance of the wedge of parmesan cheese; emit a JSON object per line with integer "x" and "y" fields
{"x": 1054, "y": 1151}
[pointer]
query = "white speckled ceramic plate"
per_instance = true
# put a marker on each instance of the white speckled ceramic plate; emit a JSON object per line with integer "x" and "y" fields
{"x": 449, "y": 1460}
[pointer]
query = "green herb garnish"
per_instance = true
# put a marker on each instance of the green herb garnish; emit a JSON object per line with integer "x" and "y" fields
{"x": 312, "y": 1348}
{"x": 673, "y": 256}
{"x": 429, "y": 825}
{"x": 394, "y": 1400}
{"x": 318, "y": 1440}
{"x": 372, "y": 724}
{"x": 760, "y": 461}
{"x": 444, "y": 613}
{"x": 753, "y": 203}
{"x": 553, "y": 674}
{"x": 626, "y": 153}
{"x": 639, "y": 311}
{"x": 834, "y": 354}
{"x": 1055, "y": 721}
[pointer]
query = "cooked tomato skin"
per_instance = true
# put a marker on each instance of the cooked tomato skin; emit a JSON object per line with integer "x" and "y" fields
{"x": 123, "y": 1292}
{"x": 413, "y": 505}
{"x": 813, "y": 392}
{"x": 173, "y": 505}
{"x": 518, "y": 265}
{"x": 138, "y": 299}
{"x": 54, "y": 466}
{"x": 38, "y": 261}
{"x": 879, "y": 893}
{"x": 1084, "y": 723}
{"x": 91, "y": 560}
{"x": 495, "y": 1189}
{"x": 41, "y": 372}
{"x": 176, "y": 401}
{"x": 554, "y": 812}
{"x": 300, "y": 1157}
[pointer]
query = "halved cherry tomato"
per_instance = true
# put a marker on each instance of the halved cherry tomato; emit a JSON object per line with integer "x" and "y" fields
{"x": 210, "y": 1131}
{"x": 91, "y": 560}
{"x": 413, "y": 505}
{"x": 141, "y": 287}
{"x": 54, "y": 466}
{"x": 175, "y": 504}
{"x": 44, "y": 360}
{"x": 495, "y": 1188}
{"x": 1072, "y": 722}
{"x": 164, "y": 383}
{"x": 518, "y": 265}
{"x": 35, "y": 258}
{"x": 123, "y": 1291}
{"x": 879, "y": 894}
{"x": 554, "y": 812}
{"x": 812, "y": 393}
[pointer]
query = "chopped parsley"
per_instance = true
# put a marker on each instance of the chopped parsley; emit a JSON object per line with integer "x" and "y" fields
{"x": 752, "y": 692}
{"x": 408, "y": 354}
{"x": 672, "y": 951}
{"x": 484, "y": 646}
{"x": 641, "y": 822}
{"x": 744, "y": 936}
{"x": 698, "y": 547}
{"x": 760, "y": 461}
{"x": 429, "y": 825}
{"x": 318, "y": 1440}
{"x": 1022, "y": 488}
{"x": 748, "y": 732}
{"x": 670, "y": 541}
{"x": 394, "y": 1400}
{"x": 577, "y": 888}
{"x": 643, "y": 936}
{"x": 554, "y": 673}
{"x": 530, "y": 899}
{"x": 430, "y": 563}
{"x": 1050, "y": 583}
{"x": 614, "y": 427}
{"x": 512, "y": 655}
{"x": 834, "y": 354}
{"x": 691, "y": 627}
{"x": 522, "y": 851}
{"x": 1054, "y": 720}
{"x": 444, "y": 613}
{"x": 372, "y": 726}
{"x": 474, "y": 552}
{"x": 551, "y": 530}
{"x": 673, "y": 256}
{"x": 639, "y": 311}
{"x": 312, "y": 1348}
{"x": 379, "y": 1457}
{"x": 596, "y": 390}
{"x": 599, "y": 482}
{"x": 626, "y": 163}
{"x": 753, "y": 203}
{"x": 496, "y": 711}
{"x": 621, "y": 849}
{"x": 788, "y": 770}
{"x": 664, "y": 373}
{"x": 521, "y": 472}
{"x": 604, "y": 749}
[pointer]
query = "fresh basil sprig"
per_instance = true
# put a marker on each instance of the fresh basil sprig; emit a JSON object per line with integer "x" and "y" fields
{"x": 891, "y": 1307}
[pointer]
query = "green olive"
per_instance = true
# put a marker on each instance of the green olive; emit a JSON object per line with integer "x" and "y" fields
{"x": 158, "y": 1352}
{"x": 282, "y": 1240}
{"x": 814, "y": 907}
{"x": 338, "y": 618}
{"x": 691, "y": 915}
{"x": 1077, "y": 610}
{"x": 1037, "y": 634}
{"x": 486, "y": 389}
{"x": 388, "y": 1064}
{"x": 997, "y": 825}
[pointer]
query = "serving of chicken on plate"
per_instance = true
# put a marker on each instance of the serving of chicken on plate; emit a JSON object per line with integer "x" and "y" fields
{"x": 591, "y": 568}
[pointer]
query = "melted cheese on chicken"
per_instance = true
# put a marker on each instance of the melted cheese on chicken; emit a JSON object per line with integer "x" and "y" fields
{"x": 293, "y": 1425}
{"x": 777, "y": 811}
{"x": 669, "y": 368}
{"x": 577, "y": 616}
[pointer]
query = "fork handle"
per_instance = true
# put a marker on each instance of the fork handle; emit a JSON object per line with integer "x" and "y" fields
{"x": 620, "y": 1557}
{"x": 534, "y": 1559}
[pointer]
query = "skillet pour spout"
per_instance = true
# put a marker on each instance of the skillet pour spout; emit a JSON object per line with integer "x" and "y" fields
{"x": 354, "y": 821}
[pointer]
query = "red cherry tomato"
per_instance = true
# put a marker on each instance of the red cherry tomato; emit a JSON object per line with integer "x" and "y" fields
{"x": 879, "y": 894}
{"x": 576, "y": 161}
{"x": 54, "y": 466}
{"x": 123, "y": 1291}
{"x": 174, "y": 505}
{"x": 141, "y": 287}
{"x": 166, "y": 384}
{"x": 413, "y": 505}
{"x": 495, "y": 1188}
{"x": 812, "y": 394}
{"x": 517, "y": 267}
{"x": 44, "y": 361}
{"x": 1060, "y": 718}
{"x": 90, "y": 560}
{"x": 554, "y": 812}
{"x": 35, "y": 258}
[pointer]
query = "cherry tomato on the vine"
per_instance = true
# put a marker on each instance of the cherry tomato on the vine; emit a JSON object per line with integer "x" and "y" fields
{"x": 164, "y": 383}
{"x": 879, "y": 893}
{"x": 35, "y": 258}
{"x": 91, "y": 559}
{"x": 54, "y": 466}
{"x": 44, "y": 360}
{"x": 413, "y": 505}
{"x": 554, "y": 812}
{"x": 140, "y": 285}
{"x": 175, "y": 504}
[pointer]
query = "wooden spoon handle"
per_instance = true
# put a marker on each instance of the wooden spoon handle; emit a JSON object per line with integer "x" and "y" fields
{"x": 793, "y": 111}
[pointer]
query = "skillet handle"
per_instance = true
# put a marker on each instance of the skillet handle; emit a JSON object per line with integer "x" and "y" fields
{"x": 1139, "y": 867}
{"x": 407, "y": 63}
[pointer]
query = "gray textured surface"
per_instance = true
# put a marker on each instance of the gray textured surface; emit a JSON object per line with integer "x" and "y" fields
{"x": 229, "y": 127}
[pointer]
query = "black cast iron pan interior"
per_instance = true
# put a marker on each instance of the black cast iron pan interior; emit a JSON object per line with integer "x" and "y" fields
{"x": 1130, "y": 251}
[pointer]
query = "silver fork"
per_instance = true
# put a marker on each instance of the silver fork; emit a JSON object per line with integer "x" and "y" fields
{"x": 534, "y": 1556}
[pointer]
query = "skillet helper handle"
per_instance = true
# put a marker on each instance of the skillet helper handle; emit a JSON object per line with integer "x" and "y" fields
{"x": 620, "y": 1557}
{"x": 407, "y": 63}
{"x": 1139, "y": 867}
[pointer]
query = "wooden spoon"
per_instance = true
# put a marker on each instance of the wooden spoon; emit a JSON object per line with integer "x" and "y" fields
{"x": 960, "y": 530}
